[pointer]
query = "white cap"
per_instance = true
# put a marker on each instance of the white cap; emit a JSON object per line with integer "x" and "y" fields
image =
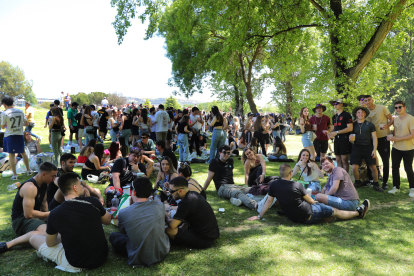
{"x": 104, "y": 97}
{"x": 104, "y": 105}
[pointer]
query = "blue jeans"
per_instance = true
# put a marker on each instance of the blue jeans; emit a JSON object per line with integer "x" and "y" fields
{"x": 113, "y": 135}
{"x": 67, "y": 106}
{"x": 182, "y": 140}
{"x": 275, "y": 133}
{"x": 126, "y": 133}
{"x": 283, "y": 134}
{"x": 320, "y": 211}
{"x": 29, "y": 129}
{"x": 88, "y": 137}
{"x": 217, "y": 140}
{"x": 341, "y": 204}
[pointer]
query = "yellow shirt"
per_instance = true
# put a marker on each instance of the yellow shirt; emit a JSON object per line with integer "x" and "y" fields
{"x": 30, "y": 114}
{"x": 403, "y": 128}
{"x": 377, "y": 117}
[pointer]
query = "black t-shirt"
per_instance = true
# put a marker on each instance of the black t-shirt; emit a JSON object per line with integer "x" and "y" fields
{"x": 290, "y": 196}
{"x": 363, "y": 133}
{"x": 52, "y": 188}
{"x": 123, "y": 167}
{"x": 78, "y": 118}
{"x": 341, "y": 121}
{"x": 172, "y": 156}
{"x": 195, "y": 210}
{"x": 180, "y": 128}
{"x": 127, "y": 121}
{"x": 223, "y": 172}
{"x": 79, "y": 223}
{"x": 103, "y": 118}
{"x": 202, "y": 141}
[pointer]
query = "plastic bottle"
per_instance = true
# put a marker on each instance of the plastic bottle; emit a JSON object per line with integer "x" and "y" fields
{"x": 13, "y": 186}
{"x": 157, "y": 196}
{"x": 115, "y": 204}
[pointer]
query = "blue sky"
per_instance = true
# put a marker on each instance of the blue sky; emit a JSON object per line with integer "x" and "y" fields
{"x": 71, "y": 46}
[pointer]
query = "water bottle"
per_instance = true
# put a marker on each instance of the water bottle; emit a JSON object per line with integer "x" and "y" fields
{"x": 115, "y": 204}
{"x": 157, "y": 196}
{"x": 13, "y": 186}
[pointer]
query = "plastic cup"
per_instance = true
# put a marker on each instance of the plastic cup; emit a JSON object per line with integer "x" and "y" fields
{"x": 352, "y": 137}
{"x": 314, "y": 126}
{"x": 309, "y": 191}
{"x": 382, "y": 126}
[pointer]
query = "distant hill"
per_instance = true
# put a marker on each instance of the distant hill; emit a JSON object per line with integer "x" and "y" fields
{"x": 156, "y": 101}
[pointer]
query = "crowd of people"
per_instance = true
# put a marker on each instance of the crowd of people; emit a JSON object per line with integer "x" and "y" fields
{"x": 61, "y": 216}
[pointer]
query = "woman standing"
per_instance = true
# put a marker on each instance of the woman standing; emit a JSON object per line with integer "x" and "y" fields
{"x": 259, "y": 130}
{"x": 309, "y": 171}
{"x": 218, "y": 138}
{"x": 254, "y": 167}
{"x": 182, "y": 140}
{"x": 125, "y": 128}
{"x": 56, "y": 127}
{"x": 266, "y": 135}
{"x": 134, "y": 126}
{"x": 170, "y": 127}
{"x": 113, "y": 125}
{"x": 236, "y": 128}
{"x": 87, "y": 121}
{"x": 306, "y": 128}
{"x": 275, "y": 126}
{"x": 144, "y": 123}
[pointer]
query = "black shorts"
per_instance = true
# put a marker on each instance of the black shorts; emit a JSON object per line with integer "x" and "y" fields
{"x": 103, "y": 129}
{"x": 266, "y": 138}
{"x": 360, "y": 152}
{"x": 169, "y": 135}
{"x": 74, "y": 130}
{"x": 190, "y": 239}
{"x": 320, "y": 145}
{"x": 342, "y": 146}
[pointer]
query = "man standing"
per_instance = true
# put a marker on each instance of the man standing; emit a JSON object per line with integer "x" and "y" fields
{"x": 403, "y": 147}
{"x": 61, "y": 100}
{"x": 196, "y": 124}
{"x": 339, "y": 192}
{"x": 81, "y": 243}
{"x": 342, "y": 122}
{"x": 81, "y": 128}
{"x": 29, "y": 210}
{"x": 382, "y": 119}
{"x": 322, "y": 123}
{"x": 200, "y": 229}
{"x": 103, "y": 121}
{"x": 73, "y": 124}
{"x": 13, "y": 120}
{"x": 364, "y": 138}
{"x": 67, "y": 101}
{"x": 161, "y": 118}
{"x": 153, "y": 136}
{"x": 104, "y": 101}
{"x": 141, "y": 227}
{"x": 29, "y": 113}
{"x": 299, "y": 207}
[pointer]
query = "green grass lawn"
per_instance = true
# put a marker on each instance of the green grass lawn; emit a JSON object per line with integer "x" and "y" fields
{"x": 380, "y": 244}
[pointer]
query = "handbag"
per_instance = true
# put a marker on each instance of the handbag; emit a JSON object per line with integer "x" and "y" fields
{"x": 313, "y": 136}
{"x": 298, "y": 131}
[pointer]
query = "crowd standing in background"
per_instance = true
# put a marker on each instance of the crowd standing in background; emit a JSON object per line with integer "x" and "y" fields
{"x": 144, "y": 141}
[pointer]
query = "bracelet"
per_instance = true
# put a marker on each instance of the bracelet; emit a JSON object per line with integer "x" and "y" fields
{"x": 263, "y": 173}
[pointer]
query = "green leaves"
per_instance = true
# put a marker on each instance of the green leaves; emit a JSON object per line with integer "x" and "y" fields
{"x": 13, "y": 82}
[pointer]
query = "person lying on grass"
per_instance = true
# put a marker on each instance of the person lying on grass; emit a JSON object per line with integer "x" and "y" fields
{"x": 299, "y": 207}
{"x": 339, "y": 192}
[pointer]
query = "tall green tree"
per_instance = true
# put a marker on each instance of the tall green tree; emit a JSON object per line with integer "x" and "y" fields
{"x": 81, "y": 98}
{"x": 147, "y": 103}
{"x": 172, "y": 102}
{"x": 13, "y": 82}
{"x": 96, "y": 97}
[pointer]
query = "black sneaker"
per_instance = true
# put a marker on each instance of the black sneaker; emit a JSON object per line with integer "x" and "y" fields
{"x": 357, "y": 183}
{"x": 378, "y": 188}
{"x": 280, "y": 212}
{"x": 3, "y": 247}
{"x": 366, "y": 183}
{"x": 363, "y": 208}
{"x": 385, "y": 186}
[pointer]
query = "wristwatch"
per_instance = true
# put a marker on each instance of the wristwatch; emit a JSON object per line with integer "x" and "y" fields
{"x": 337, "y": 133}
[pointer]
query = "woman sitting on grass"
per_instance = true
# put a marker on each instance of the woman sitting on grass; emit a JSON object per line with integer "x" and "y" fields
{"x": 233, "y": 147}
{"x": 84, "y": 154}
{"x": 280, "y": 149}
{"x": 123, "y": 147}
{"x": 148, "y": 162}
{"x": 94, "y": 163}
{"x": 165, "y": 175}
{"x": 253, "y": 144}
{"x": 242, "y": 142}
{"x": 32, "y": 145}
{"x": 309, "y": 170}
{"x": 254, "y": 167}
{"x": 114, "y": 151}
{"x": 185, "y": 170}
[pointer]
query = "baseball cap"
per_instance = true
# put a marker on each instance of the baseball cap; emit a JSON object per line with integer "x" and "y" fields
{"x": 104, "y": 105}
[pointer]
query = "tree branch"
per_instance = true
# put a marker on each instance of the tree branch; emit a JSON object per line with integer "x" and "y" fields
{"x": 286, "y": 30}
{"x": 319, "y": 8}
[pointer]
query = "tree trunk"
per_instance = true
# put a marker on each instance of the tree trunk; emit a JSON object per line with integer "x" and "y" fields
{"x": 236, "y": 99}
{"x": 241, "y": 105}
{"x": 289, "y": 97}
{"x": 248, "y": 82}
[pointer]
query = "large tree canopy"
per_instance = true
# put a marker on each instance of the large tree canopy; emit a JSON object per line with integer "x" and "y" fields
{"x": 13, "y": 82}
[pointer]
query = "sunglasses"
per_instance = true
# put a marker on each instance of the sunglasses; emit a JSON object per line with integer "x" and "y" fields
{"x": 318, "y": 105}
{"x": 361, "y": 100}
{"x": 337, "y": 103}
{"x": 144, "y": 137}
{"x": 225, "y": 152}
{"x": 398, "y": 107}
{"x": 173, "y": 191}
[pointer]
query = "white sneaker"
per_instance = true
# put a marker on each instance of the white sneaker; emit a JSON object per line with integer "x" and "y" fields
{"x": 394, "y": 190}
{"x": 50, "y": 146}
{"x": 235, "y": 201}
{"x": 411, "y": 194}
{"x": 14, "y": 177}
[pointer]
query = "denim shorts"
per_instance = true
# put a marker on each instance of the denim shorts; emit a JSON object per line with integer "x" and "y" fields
{"x": 320, "y": 211}
{"x": 306, "y": 139}
{"x": 339, "y": 203}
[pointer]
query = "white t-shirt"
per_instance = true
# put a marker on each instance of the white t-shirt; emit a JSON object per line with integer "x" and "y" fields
{"x": 154, "y": 123}
{"x": 13, "y": 119}
{"x": 62, "y": 98}
{"x": 95, "y": 116}
{"x": 162, "y": 118}
{"x": 104, "y": 101}
{"x": 193, "y": 118}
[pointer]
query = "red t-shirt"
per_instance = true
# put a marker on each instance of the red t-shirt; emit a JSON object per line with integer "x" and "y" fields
{"x": 82, "y": 159}
{"x": 323, "y": 123}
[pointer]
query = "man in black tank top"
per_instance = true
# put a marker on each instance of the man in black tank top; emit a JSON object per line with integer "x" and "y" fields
{"x": 30, "y": 210}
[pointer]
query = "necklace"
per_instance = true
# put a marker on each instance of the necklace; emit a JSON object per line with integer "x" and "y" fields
{"x": 360, "y": 126}
{"x": 317, "y": 121}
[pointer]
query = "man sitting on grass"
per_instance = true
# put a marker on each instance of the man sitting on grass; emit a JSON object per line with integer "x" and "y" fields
{"x": 29, "y": 211}
{"x": 142, "y": 228}
{"x": 220, "y": 171}
{"x": 160, "y": 146}
{"x": 200, "y": 228}
{"x": 147, "y": 144}
{"x": 339, "y": 192}
{"x": 81, "y": 243}
{"x": 299, "y": 206}
{"x": 55, "y": 196}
